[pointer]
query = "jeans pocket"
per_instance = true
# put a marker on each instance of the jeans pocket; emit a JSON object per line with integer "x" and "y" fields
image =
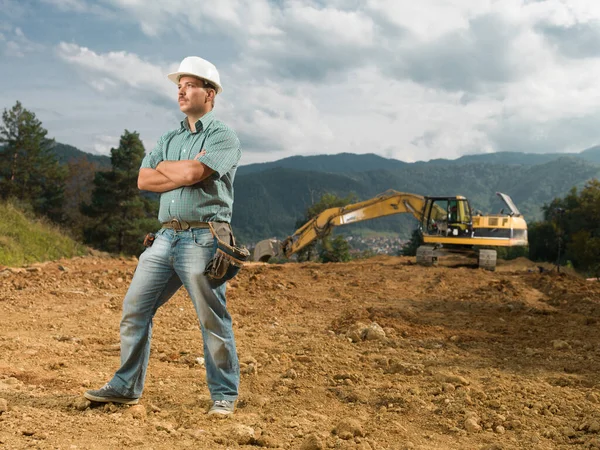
{"x": 159, "y": 233}
{"x": 203, "y": 238}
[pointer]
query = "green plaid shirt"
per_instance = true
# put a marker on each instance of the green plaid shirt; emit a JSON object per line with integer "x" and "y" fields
{"x": 211, "y": 200}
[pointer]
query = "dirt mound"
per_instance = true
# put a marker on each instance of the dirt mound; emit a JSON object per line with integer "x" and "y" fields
{"x": 368, "y": 355}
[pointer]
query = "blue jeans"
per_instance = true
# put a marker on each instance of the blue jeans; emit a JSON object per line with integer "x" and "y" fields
{"x": 177, "y": 258}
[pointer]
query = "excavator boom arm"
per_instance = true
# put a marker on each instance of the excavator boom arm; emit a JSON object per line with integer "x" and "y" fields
{"x": 386, "y": 204}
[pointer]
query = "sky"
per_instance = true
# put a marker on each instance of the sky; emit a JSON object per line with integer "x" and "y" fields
{"x": 404, "y": 79}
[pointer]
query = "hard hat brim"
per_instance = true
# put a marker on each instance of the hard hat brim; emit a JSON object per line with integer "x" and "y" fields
{"x": 175, "y": 76}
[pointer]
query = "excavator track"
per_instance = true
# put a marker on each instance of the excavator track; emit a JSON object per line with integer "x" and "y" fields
{"x": 426, "y": 256}
{"x": 487, "y": 259}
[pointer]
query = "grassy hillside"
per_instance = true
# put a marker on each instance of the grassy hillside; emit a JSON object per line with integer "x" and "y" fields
{"x": 24, "y": 241}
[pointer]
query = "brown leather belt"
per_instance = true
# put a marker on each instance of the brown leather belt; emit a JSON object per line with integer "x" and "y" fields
{"x": 181, "y": 225}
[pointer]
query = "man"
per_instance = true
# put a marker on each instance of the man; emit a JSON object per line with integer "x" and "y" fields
{"x": 193, "y": 167}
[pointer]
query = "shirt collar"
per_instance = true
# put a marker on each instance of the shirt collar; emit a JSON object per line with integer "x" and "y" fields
{"x": 201, "y": 124}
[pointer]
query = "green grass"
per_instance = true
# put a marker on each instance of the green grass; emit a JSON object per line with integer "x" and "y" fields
{"x": 25, "y": 240}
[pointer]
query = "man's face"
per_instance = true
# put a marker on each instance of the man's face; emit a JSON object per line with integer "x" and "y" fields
{"x": 193, "y": 98}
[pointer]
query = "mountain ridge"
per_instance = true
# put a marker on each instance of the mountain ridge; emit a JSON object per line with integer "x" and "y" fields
{"x": 352, "y": 162}
{"x": 270, "y": 198}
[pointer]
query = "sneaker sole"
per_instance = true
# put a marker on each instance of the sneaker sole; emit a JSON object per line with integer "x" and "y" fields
{"x": 122, "y": 400}
{"x": 220, "y": 413}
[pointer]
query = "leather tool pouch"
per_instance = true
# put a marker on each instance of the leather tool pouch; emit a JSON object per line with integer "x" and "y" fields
{"x": 149, "y": 240}
{"x": 228, "y": 258}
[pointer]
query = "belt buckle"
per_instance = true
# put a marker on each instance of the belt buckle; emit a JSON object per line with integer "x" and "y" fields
{"x": 179, "y": 225}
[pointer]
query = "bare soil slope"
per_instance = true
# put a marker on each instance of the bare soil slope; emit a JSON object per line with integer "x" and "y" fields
{"x": 369, "y": 355}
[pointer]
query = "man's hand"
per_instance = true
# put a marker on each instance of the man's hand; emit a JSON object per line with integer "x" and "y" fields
{"x": 202, "y": 153}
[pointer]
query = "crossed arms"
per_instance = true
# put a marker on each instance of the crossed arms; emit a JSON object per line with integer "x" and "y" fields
{"x": 170, "y": 175}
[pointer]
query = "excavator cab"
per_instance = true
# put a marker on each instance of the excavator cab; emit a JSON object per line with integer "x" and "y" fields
{"x": 447, "y": 217}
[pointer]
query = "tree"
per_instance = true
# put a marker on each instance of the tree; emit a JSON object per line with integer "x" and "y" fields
{"x": 122, "y": 215}
{"x": 78, "y": 189}
{"x": 579, "y": 223}
{"x": 334, "y": 250}
{"x": 416, "y": 240}
{"x": 327, "y": 201}
{"x": 570, "y": 230}
{"x": 543, "y": 241}
{"x": 29, "y": 171}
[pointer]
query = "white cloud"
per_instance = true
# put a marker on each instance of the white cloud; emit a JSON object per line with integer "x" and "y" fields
{"x": 405, "y": 120}
{"x": 428, "y": 20}
{"x": 342, "y": 28}
{"x": 117, "y": 70}
{"x": 277, "y": 119}
{"x": 564, "y": 12}
{"x": 14, "y": 43}
{"x": 103, "y": 143}
{"x": 410, "y": 80}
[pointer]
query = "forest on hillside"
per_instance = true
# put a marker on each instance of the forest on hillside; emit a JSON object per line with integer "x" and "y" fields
{"x": 102, "y": 207}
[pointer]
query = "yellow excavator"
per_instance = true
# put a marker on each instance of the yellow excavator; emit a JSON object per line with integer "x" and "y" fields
{"x": 447, "y": 224}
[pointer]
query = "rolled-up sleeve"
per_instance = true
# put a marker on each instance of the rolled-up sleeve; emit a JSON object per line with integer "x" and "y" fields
{"x": 157, "y": 155}
{"x": 223, "y": 151}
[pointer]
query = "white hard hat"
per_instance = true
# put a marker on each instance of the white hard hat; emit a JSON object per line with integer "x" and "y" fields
{"x": 200, "y": 68}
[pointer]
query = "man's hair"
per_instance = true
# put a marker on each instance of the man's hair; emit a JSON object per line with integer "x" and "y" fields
{"x": 208, "y": 85}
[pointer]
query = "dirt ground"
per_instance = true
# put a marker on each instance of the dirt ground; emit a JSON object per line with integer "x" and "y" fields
{"x": 371, "y": 354}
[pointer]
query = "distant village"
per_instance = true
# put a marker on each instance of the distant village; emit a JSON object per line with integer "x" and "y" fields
{"x": 379, "y": 245}
{"x": 365, "y": 246}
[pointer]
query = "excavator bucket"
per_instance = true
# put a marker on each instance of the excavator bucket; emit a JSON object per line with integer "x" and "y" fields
{"x": 266, "y": 249}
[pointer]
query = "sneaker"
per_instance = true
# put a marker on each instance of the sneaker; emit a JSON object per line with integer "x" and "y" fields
{"x": 107, "y": 394}
{"x": 221, "y": 407}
